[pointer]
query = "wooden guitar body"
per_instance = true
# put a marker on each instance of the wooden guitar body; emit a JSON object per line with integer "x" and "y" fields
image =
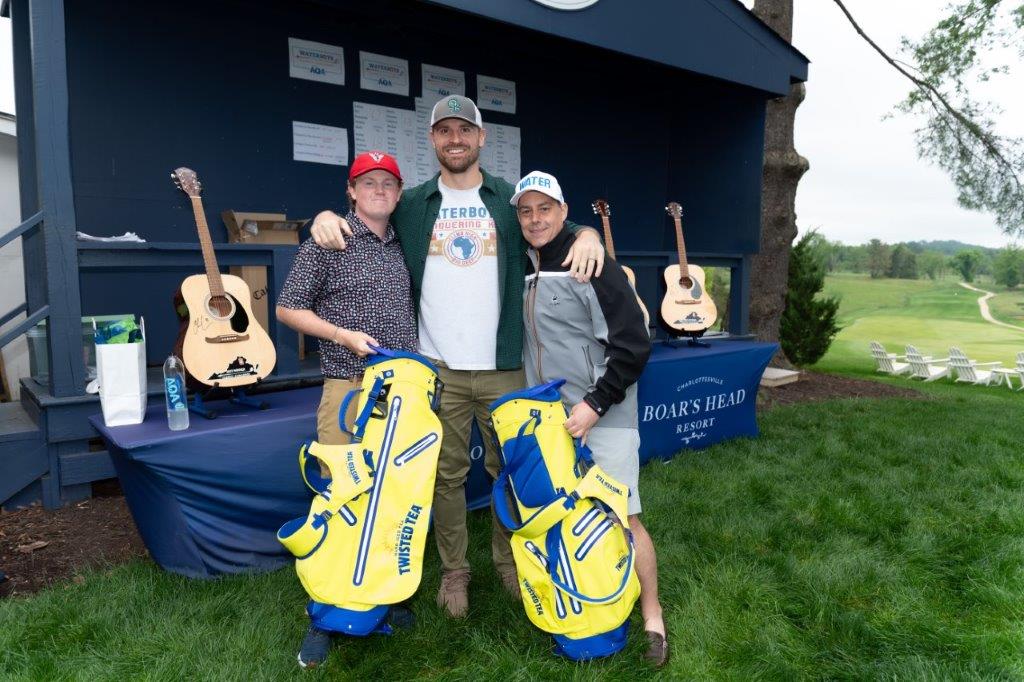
{"x": 219, "y": 350}
{"x": 220, "y": 342}
{"x": 631, "y": 276}
{"x": 687, "y": 309}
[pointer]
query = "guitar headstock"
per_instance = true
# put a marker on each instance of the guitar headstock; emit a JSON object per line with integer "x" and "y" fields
{"x": 185, "y": 179}
{"x": 602, "y": 208}
{"x": 674, "y": 209}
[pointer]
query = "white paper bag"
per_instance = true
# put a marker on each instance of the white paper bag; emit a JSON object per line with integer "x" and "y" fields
{"x": 121, "y": 374}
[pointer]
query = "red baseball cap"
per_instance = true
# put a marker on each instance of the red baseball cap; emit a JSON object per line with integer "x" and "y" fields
{"x": 371, "y": 161}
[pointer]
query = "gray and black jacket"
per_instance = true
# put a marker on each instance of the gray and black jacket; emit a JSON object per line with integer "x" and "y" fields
{"x": 592, "y": 335}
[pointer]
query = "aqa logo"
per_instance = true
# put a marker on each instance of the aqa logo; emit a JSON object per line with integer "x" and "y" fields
{"x": 567, "y": 4}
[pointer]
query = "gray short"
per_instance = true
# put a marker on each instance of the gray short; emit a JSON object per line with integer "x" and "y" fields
{"x": 617, "y": 450}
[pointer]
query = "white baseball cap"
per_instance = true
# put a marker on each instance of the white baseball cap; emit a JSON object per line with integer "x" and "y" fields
{"x": 538, "y": 181}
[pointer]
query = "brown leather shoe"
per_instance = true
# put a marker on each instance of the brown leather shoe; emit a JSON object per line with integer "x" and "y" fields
{"x": 510, "y": 581}
{"x": 453, "y": 596}
{"x": 657, "y": 649}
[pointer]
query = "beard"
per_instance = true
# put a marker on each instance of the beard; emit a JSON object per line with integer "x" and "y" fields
{"x": 471, "y": 156}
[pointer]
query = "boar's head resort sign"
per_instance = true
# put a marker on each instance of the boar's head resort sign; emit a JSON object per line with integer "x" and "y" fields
{"x": 695, "y": 397}
{"x": 567, "y": 4}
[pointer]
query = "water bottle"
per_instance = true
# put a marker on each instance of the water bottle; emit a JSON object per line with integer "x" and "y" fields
{"x": 174, "y": 390}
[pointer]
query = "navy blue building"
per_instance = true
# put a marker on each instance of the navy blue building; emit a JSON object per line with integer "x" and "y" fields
{"x": 638, "y": 103}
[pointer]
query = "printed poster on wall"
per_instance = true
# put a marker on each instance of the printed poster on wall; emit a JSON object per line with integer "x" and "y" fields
{"x": 426, "y": 158}
{"x": 319, "y": 143}
{"x": 496, "y": 94}
{"x": 502, "y": 152}
{"x": 316, "y": 61}
{"x": 386, "y": 129}
{"x": 383, "y": 74}
{"x": 439, "y": 82}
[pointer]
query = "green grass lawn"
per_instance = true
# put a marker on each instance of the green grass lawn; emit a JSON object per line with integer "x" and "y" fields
{"x": 888, "y": 545}
{"x": 854, "y": 539}
{"x": 930, "y": 315}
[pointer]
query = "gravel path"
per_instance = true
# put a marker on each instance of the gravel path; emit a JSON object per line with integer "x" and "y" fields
{"x": 983, "y": 306}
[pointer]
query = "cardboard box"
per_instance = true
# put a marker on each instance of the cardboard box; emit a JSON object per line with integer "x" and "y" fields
{"x": 261, "y": 228}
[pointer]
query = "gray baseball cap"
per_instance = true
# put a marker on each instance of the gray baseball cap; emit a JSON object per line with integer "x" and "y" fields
{"x": 456, "y": 106}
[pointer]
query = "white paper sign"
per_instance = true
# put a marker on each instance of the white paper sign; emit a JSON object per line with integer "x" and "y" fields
{"x": 496, "y": 94}
{"x": 440, "y": 82}
{"x": 386, "y": 129}
{"x": 316, "y": 61}
{"x": 502, "y": 152}
{"x": 383, "y": 74}
{"x": 426, "y": 158}
{"x": 319, "y": 143}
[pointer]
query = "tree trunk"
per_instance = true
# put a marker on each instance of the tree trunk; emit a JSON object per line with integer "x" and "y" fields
{"x": 783, "y": 168}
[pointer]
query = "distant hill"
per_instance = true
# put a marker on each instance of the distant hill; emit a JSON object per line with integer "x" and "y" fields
{"x": 948, "y": 247}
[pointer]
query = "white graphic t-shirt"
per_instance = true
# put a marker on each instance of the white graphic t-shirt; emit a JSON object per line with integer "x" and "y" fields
{"x": 459, "y": 303}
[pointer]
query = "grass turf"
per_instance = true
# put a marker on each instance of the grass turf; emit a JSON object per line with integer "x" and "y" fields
{"x": 855, "y": 539}
{"x": 930, "y": 315}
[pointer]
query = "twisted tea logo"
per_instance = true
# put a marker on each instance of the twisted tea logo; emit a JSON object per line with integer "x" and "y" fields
{"x": 567, "y": 5}
{"x": 454, "y": 105}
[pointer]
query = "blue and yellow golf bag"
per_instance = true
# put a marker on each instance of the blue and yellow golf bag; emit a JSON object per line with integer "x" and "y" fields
{"x": 573, "y": 554}
{"x": 360, "y": 549}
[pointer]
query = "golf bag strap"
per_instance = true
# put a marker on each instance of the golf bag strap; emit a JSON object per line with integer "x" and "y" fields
{"x": 541, "y": 520}
{"x": 359, "y": 425}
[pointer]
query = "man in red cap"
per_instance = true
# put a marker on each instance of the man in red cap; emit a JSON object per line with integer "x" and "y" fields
{"x": 349, "y": 300}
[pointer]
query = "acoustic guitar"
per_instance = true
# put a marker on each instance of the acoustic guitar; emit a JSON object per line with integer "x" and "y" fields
{"x": 604, "y": 211}
{"x": 687, "y": 308}
{"x": 221, "y": 343}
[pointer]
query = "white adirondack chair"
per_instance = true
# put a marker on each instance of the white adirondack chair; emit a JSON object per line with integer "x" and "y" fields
{"x": 888, "y": 362}
{"x": 1007, "y": 372}
{"x": 967, "y": 371}
{"x": 972, "y": 372}
{"x": 925, "y": 367}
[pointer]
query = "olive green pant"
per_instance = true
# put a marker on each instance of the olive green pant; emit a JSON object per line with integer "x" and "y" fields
{"x": 466, "y": 396}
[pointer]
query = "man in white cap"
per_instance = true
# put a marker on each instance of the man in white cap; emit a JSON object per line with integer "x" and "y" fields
{"x": 603, "y": 318}
{"x": 467, "y": 260}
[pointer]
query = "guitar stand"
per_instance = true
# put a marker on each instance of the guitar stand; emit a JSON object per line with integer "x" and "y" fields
{"x": 238, "y": 397}
{"x": 691, "y": 340}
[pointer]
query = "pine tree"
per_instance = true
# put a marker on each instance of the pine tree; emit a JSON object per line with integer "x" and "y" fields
{"x": 808, "y": 323}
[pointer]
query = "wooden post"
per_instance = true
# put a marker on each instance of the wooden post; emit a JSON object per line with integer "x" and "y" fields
{"x": 53, "y": 160}
{"x": 32, "y": 242}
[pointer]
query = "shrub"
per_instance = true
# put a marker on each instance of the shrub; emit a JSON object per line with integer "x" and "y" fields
{"x": 809, "y": 320}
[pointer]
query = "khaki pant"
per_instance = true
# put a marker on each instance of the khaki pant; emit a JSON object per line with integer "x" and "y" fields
{"x": 328, "y": 430}
{"x": 466, "y": 396}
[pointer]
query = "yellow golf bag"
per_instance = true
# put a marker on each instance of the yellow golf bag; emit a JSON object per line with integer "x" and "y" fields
{"x": 360, "y": 548}
{"x": 573, "y": 554}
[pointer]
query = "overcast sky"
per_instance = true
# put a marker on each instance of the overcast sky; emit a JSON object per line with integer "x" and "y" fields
{"x": 865, "y": 179}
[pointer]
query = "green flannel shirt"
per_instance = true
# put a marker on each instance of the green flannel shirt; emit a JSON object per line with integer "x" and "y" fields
{"x": 413, "y": 221}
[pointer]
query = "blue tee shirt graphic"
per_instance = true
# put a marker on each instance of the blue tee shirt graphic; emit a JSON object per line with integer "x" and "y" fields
{"x": 465, "y": 245}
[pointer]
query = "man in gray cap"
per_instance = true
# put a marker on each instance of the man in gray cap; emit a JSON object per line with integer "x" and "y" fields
{"x": 467, "y": 260}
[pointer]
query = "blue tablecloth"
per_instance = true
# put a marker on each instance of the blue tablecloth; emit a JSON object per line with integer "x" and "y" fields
{"x": 209, "y": 500}
{"x": 693, "y": 397}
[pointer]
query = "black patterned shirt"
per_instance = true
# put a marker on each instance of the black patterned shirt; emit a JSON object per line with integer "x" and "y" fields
{"x": 365, "y": 288}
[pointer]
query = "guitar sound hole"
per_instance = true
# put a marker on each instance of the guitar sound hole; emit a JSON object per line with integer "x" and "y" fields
{"x": 685, "y": 282}
{"x": 220, "y": 305}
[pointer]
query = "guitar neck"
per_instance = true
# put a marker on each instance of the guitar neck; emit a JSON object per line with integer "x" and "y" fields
{"x": 608, "y": 244}
{"x": 209, "y": 258}
{"x": 681, "y": 246}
